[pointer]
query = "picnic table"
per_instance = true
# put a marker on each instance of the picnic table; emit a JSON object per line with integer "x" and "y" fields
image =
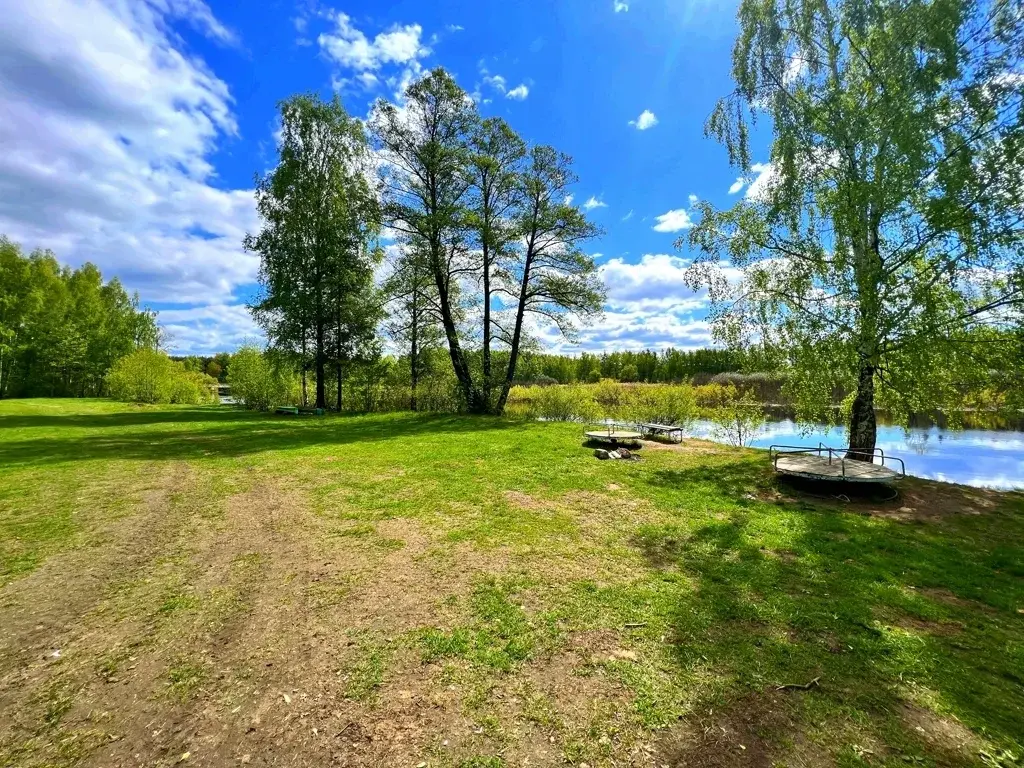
{"x": 673, "y": 432}
{"x": 292, "y": 410}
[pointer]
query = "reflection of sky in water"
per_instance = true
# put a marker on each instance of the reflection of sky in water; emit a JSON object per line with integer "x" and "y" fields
{"x": 985, "y": 458}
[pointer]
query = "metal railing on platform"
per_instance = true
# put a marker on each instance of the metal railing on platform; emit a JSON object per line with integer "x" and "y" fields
{"x": 834, "y": 455}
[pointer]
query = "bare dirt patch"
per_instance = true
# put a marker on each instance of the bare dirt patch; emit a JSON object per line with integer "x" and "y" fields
{"x": 748, "y": 733}
{"x": 947, "y": 597}
{"x": 688, "y": 446}
{"x": 523, "y": 500}
{"x": 947, "y": 736}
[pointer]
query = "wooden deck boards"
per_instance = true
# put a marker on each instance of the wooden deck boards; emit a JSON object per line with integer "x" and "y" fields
{"x": 818, "y": 467}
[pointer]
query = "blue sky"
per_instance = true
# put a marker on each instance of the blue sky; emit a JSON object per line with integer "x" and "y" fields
{"x": 133, "y": 129}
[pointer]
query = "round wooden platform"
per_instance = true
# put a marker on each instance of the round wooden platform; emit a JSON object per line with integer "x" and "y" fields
{"x": 615, "y": 436}
{"x": 819, "y": 468}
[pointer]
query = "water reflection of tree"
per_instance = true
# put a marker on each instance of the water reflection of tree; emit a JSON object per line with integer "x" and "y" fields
{"x": 917, "y": 441}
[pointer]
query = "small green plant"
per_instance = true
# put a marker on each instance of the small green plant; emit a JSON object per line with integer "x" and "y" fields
{"x": 184, "y": 679}
{"x": 491, "y": 761}
{"x": 367, "y": 672}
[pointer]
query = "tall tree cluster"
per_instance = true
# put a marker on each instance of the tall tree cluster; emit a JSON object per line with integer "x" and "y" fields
{"x": 317, "y": 257}
{"x": 491, "y": 246}
{"x": 62, "y": 329}
{"x": 882, "y": 251}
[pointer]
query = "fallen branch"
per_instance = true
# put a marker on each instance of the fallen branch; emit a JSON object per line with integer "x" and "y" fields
{"x": 798, "y": 686}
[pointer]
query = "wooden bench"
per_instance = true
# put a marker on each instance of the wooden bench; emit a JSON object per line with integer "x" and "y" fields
{"x": 674, "y": 433}
{"x": 291, "y": 410}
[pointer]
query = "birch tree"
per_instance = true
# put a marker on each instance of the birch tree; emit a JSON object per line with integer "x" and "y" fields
{"x": 877, "y": 249}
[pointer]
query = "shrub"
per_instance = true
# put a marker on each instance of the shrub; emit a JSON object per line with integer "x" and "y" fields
{"x": 150, "y": 376}
{"x": 608, "y": 394}
{"x": 565, "y": 403}
{"x": 257, "y": 383}
{"x": 660, "y": 404}
{"x": 738, "y": 418}
{"x": 593, "y": 377}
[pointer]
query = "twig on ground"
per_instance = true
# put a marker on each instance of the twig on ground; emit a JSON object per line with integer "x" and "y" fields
{"x": 803, "y": 687}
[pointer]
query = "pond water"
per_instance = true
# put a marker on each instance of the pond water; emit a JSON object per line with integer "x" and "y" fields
{"x": 986, "y": 458}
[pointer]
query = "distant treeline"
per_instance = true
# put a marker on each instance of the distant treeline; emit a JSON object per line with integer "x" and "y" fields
{"x": 212, "y": 365}
{"x": 670, "y": 365}
{"x": 61, "y": 329}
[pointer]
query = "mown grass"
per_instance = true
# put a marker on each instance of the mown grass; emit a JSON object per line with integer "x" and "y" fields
{"x": 710, "y": 584}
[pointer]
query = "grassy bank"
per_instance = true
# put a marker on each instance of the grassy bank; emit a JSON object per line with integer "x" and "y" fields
{"x": 211, "y": 586}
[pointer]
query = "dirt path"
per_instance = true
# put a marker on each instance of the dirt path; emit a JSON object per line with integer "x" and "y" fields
{"x": 260, "y": 633}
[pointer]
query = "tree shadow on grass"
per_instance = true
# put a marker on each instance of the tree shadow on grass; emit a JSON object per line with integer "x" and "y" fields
{"x": 129, "y": 418}
{"x": 740, "y": 481}
{"x": 211, "y": 433}
{"x": 877, "y": 609}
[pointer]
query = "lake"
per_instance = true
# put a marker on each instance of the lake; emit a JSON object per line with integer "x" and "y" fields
{"x": 986, "y": 458}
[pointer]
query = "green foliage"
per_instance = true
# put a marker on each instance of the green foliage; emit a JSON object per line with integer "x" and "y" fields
{"x": 320, "y": 216}
{"x": 565, "y": 403}
{"x": 882, "y": 248}
{"x": 470, "y": 200}
{"x": 738, "y": 416}
{"x": 669, "y": 365}
{"x": 258, "y": 382}
{"x": 150, "y": 376}
{"x": 660, "y": 404}
{"x": 62, "y": 329}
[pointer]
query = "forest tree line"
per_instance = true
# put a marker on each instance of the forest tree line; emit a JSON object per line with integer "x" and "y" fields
{"x": 62, "y": 329}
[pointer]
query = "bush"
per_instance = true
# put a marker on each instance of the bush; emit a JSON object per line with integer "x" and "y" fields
{"x": 660, "y": 404}
{"x": 593, "y": 377}
{"x": 565, "y": 403}
{"x": 609, "y": 394}
{"x": 150, "y": 376}
{"x": 257, "y": 383}
{"x": 738, "y": 418}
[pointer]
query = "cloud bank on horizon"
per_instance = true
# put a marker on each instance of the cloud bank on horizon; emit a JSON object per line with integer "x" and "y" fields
{"x": 133, "y": 130}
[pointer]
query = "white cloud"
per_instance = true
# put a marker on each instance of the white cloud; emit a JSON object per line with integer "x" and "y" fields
{"x": 351, "y": 48}
{"x": 107, "y": 134}
{"x": 763, "y": 176}
{"x": 519, "y": 93}
{"x": 649, "y": 306}
{"x": 694, "y": 200}
{"x": 198, "y": 15}
{"x": 628, "y": 216}
{"x": 673, "y": 221}
{"x": 593, "y": 203}
{"x": 621, "y": 6}
{"x": 455, "y": 27}
{"x": 568, "y": 199}
{"x": 646, "y": 120}
{"x": 767, "y": 176}
{"x": 497, "y": 82}
{"x": 209, "y": 329}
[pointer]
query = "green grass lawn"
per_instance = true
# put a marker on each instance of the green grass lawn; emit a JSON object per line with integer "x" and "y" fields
{"x": 214, "y": 587}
